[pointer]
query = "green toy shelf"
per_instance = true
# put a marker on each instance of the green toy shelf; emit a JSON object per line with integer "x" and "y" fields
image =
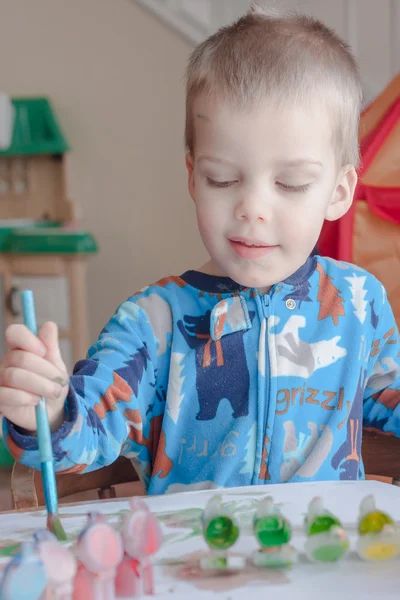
{"x": 35, "y": 129}
{"x": 50, "y": 240}
{"x": 46, "y": 237}
{"x": 6, "y": 460}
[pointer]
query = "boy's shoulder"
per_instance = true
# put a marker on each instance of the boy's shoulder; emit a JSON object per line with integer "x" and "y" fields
{"x": 340, "y": 269}
{"x": 167, "y": 288}
{"x": 152, "y": 305}
{"x": 163, "y": 294}
{"x": 170, "y": 283}
{"x": 361, "y": 284}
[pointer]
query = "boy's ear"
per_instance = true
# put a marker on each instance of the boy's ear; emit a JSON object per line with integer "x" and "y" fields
{"x": 190, "y": 170}
{"x": 343, "y": 195}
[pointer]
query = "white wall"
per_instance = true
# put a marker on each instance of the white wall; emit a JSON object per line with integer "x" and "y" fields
{"x": 114, "y": 74}
{"x": 371, "y": 27}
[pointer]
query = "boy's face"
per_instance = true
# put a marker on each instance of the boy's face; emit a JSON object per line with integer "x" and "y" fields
{"x": 263, "y": 182}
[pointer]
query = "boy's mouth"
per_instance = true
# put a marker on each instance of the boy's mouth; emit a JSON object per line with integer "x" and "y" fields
{"x": 246, "y": 248}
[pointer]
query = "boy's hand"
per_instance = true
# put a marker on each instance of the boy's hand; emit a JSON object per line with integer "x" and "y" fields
{"x": 31, "y": 368}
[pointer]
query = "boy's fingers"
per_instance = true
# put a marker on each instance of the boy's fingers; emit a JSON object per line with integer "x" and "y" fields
{"x": 19, "y": 336}
{"x": 12, "y": 399}
{"x": 34, "y": 364}
{"x": 24, "y": 381}
{"x": 48, "y": 334}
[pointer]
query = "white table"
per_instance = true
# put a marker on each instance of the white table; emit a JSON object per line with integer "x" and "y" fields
{"x": 179, "y": 514}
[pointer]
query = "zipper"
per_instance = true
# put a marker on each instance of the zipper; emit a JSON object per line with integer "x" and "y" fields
{"x": 263, "y": 400}
{"x": 267, "y": 379}
{"x": 266, "y": 305}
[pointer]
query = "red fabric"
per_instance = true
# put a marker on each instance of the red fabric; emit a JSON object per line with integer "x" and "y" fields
{"x": 336, "y": 239}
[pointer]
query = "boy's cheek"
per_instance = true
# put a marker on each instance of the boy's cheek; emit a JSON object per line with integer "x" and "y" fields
{"x": 208, "y": 228}
{"x": 205, "y": 225}
{"x": 206, "y": 206}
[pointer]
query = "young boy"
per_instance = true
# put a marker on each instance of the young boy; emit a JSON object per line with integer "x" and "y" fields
{"x": 263, "y": 365}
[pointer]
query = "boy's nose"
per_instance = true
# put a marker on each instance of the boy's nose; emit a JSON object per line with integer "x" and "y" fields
{"x": 252, "y": 209}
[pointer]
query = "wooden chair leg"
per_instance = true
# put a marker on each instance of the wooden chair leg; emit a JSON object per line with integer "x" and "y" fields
{"x": 23, "y": 488}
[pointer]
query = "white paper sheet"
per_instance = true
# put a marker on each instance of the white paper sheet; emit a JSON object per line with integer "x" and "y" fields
{"x": 179, "y": 514}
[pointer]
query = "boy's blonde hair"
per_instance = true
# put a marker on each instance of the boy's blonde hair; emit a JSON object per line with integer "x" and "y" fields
{"x": 284, "y": 58}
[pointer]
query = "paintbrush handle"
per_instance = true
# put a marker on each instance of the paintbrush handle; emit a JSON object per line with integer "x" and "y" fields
{"x": 42, "y": 420}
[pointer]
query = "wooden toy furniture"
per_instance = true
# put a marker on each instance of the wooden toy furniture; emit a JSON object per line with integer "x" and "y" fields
{"x": 59, "y": 286}
{"x": 40, "y": 248}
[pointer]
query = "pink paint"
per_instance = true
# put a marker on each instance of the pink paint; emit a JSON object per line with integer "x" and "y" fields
{"x": 142, "y": 537}
{"x": 128, "y": 578}
{"x": 99, "y": 550}
{"x": 250, "y": 252}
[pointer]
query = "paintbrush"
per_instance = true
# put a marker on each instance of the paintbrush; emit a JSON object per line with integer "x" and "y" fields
{"x": 44, "y": 437}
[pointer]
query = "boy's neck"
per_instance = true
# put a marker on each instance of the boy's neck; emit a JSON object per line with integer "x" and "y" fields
{"x": 210, "y": 268}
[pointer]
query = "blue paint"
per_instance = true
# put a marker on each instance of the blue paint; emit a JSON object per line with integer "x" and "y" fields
{"x": 25, "y": 576}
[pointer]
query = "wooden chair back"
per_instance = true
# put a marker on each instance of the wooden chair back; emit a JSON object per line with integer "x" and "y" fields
{"x": 381, "y": 456}
{"x": 27, "y": 491}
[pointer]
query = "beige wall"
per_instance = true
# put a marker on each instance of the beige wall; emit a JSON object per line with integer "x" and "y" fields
{"x": 114, "y": 75}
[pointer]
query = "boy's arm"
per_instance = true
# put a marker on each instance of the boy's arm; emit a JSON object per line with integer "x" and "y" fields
{"x": 382, "y": 391}
{"x": 107, "y": 406}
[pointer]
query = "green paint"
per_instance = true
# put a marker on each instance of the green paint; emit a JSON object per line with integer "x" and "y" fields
{"x": 323, "y": 524}
{"x": 330, "y": 553}
{"x": 55, "y": 526}
{"x": 170, "y": 538}
{"x": 276, "y": 560}
{"x": 191, "y": 534}
{"x": 241, "y": 507}
{"x": 60, "y": 381}
{"x": 9, "y": 551}
{"x": 221, "y": 532}
{"x": 218, "y": 562}
{"x": 255, "y": 493}
{"x": 188, "y": 518}
{"x": 170, "y": 562}
{"x": 202, "y": 117}
{"x": 272, "y": 530}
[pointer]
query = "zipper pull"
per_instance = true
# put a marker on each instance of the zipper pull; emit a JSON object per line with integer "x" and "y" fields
{"x": 267, "y": 302}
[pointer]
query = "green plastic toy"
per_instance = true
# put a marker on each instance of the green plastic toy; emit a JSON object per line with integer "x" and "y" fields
{"x": 379, "y": 538}
{"x": 327, "y": 540}
{"x": 273, "y": 532}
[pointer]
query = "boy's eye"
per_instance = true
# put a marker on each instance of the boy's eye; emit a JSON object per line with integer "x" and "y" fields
{"x": 293, "y": 188}
{"x": 219, "y": 184}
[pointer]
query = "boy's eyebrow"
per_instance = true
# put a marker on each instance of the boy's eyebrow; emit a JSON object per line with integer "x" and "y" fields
{"x": 215, "y": 160}
{"x": 300, "y": 162}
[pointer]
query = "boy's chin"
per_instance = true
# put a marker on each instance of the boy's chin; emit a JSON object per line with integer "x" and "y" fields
{"x": 253, "y": 281}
